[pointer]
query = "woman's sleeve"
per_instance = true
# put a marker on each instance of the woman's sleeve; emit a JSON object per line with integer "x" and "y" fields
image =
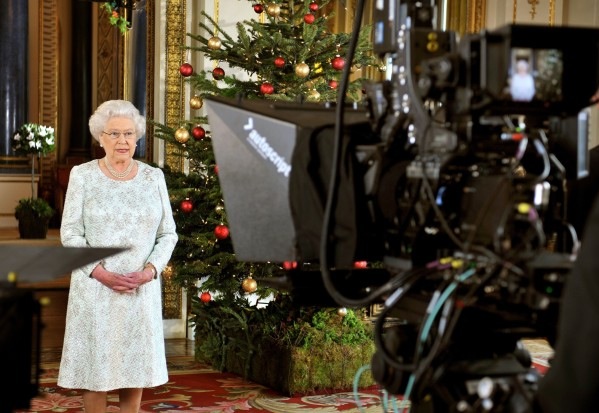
{"x": 72, "y": 230}
{"x": 166, "y": 236}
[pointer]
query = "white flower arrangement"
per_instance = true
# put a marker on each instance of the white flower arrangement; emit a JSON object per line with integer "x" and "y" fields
{"x": 33, "y": 139}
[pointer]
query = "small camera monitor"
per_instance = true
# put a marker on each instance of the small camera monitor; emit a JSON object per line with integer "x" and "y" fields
{"x": 533, "y": 70}
{"x": 534, "y": 75}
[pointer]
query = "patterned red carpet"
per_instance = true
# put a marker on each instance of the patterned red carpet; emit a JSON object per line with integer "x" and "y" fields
{"x": 196, "y": 388}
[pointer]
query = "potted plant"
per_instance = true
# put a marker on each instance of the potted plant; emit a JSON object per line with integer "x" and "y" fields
{"x": 33, "y": 213}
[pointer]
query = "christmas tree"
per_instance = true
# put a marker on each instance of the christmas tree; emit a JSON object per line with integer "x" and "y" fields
{"x": 288, "y": 54}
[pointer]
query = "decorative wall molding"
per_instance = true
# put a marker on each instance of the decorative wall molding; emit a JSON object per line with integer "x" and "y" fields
{"x": 547, "y": 12}
{"x": 174, "y": 98}
{"x": 48, "y": 86}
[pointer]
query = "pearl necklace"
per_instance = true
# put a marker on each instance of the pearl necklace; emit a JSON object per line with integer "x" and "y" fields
{"x": 117, "y": 174}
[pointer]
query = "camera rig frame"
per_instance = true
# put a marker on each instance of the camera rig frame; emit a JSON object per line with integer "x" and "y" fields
{"x": 454, "y": 189}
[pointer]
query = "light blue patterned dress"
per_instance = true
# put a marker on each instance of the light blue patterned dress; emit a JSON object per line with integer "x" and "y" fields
{"x": 114, "y": 340}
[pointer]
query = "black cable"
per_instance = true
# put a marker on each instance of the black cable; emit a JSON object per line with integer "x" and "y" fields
{"x": 331, "y": 203}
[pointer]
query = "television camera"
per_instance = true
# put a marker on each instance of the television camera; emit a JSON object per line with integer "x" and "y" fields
{"x": 445, "y": 180}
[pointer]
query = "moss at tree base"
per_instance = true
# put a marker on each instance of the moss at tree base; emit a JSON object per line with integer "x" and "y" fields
{"x": 294, "y": 370}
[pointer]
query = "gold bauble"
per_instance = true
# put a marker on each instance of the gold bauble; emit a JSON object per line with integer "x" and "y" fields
{"x": 314, "y": 95}
{"x": 220, "y": 209}
{"x": 273, "y": 10}
{"x": 214, "y": 43}
{"x": 249, "y": 285}
{"x": 342, "y": 311}
{"x": 196, "y": 102}
{"x": 302, "y": 70}
{"x": 182, "y": 135}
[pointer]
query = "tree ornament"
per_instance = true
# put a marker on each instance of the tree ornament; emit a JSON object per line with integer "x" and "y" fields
{"x": 249, "y": 285}
{"x": 205, "y": 297}
{"x": 338, "y": 63}
{"x": 220, "y": 209}
{"x": 182, "y": 135}
{"x": 214, "y": 43}
{"x": 309, "y": 18}
{"x": 302, "y": 70}
{"x": 218, "y": 73}
{"x": 290, "y": 265}
{"x": 196, "y": 102}
{"x": 221, "y": 231}
{"x": 314, "y": 95}
{"x": 186, "y": 206}
{"x": 342, "y": 311}
{"x": 267, "y": 88}
{"x": 198, "y": 132}
{"x": 258, "y": 8}
{"x": 279, "y": 62}
{"x": 186, "y": 69}
{"x": 333, "y": 84}
{"x": 313, "y": 6}
{"x": 360, "y": 264}
{"x": 273, "y": 9}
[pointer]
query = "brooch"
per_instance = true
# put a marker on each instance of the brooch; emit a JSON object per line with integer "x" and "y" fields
{"x": 149, "y": 176}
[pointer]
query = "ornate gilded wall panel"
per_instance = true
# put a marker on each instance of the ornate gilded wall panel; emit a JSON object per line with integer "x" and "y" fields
{"x": 530, "y": 11}
{"x": 174, "y": 104}
{"x": 49, "y": 54}
{"x": 466, "y": 16}
{"x": 150, "y": 76}
{"x": 174, "y": 55}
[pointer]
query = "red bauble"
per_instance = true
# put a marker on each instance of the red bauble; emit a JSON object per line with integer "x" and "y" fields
{"x": 258, "y": 8}
{"x": 290, "y": 265}
{"x": 218, "y": 73}
{"x": 309, "y": 18}
{"x": 205, "y": 297}
{"x": 333, "y": 84}
{"x": 221, "y": 231}
{"x": 186, "y": 206}
{"x": 313, "y": 6}
{"x": 216, "y": 169}
{"x": 198, "y": 133}
{"x": 279, "y": 62}
{"x": 360, "y": 264}
{"x": 267, "y": 88}
{"x": 186, "y": 69}
{"x": 338, "y": 63}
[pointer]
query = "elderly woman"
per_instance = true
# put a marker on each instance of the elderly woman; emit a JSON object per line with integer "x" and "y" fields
{"x": 113, "y": 337}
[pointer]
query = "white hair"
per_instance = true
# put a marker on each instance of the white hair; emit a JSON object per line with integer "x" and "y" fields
{"x": 116, "y": 108}
{"x": 522, "y": 64}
